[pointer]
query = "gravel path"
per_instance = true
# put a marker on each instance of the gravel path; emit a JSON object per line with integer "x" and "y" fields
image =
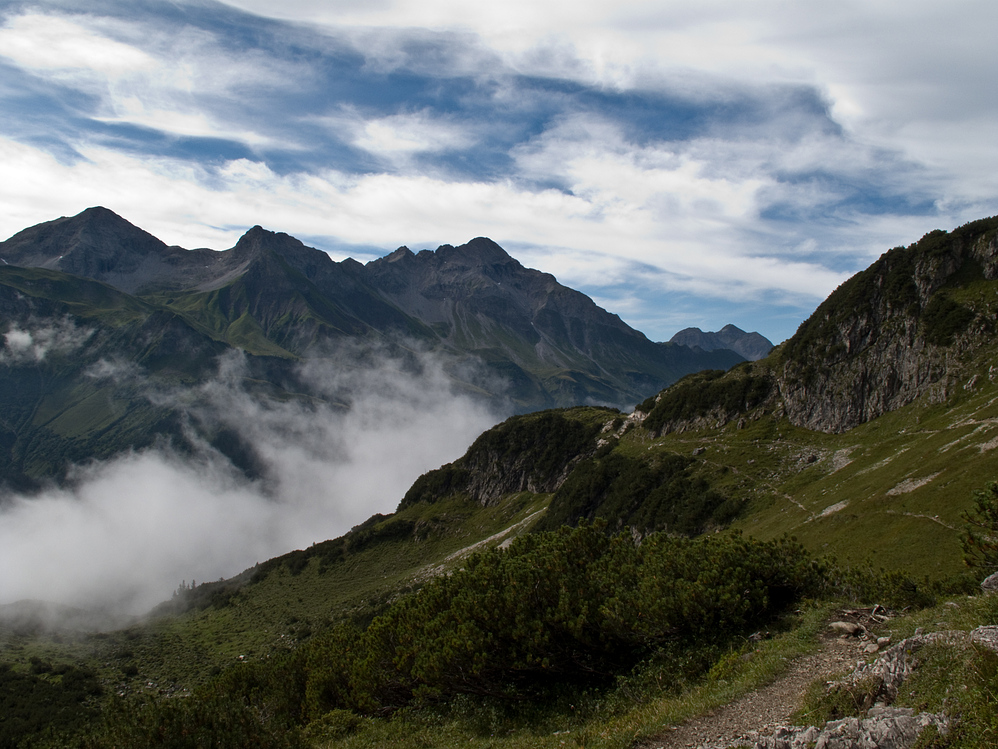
{"x": 769, "y": 706}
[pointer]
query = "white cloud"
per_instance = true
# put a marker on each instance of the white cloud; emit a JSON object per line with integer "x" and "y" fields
{"x": 658, "y": 208}
{"x": 419, "y": 132}
{"x": 35, "y": 341}
{"x": 134, "y": 111}
{"x": 162, "y": 86}
{"x": 63, "y": 47}
{"x": 129, "y": 530}
{"x": 692, "y": 211}
{"x": 893, "y": 73}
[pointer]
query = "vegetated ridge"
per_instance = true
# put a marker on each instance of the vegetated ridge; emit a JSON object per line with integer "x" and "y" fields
{"x": 904, "y": 328}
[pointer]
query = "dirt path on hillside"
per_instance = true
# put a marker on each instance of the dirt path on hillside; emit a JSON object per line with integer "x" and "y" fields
{"x": 764, "y": 708}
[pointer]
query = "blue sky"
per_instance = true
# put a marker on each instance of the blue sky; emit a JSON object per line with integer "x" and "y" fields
{"x": 685, "y": 164}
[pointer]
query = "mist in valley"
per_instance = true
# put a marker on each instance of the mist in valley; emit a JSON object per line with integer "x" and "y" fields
{"x": 122, "y": 534}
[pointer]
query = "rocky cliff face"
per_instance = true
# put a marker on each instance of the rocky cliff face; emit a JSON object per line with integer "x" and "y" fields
{"x": 906, "y": 327}
{"x": 897, "y": 331}
{"x": 534, "y": 453}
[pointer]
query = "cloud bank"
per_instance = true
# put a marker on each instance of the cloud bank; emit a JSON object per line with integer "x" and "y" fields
{"x": 126, "y": 532}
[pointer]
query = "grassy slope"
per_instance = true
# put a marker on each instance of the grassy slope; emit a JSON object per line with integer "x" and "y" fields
{"x": 890, "y": 491}
{"x": 787, "y": 477}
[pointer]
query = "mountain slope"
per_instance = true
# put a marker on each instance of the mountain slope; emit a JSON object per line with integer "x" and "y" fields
{"x": 899, "y": 330}
{"x": 912, "y": 325}
{"x": 86, "y": 372}
{"x": 481, "y": 300}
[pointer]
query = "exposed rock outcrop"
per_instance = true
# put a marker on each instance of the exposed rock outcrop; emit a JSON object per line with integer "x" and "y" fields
{"x": 890, "y": 334}
{"x": 900, "y": 330}
{"x": 534, "y": 453}
{"x": 881, "y": 726}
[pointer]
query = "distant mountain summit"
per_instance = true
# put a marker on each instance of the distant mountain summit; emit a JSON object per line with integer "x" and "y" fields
{"x": 751, "y": 346}
{"x": 272, "y": 295}
{"x": 101, "y": 245}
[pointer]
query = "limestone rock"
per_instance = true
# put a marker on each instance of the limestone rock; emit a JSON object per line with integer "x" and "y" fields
{"x": 882, "y": 728}
{"x": 990, "y": 584}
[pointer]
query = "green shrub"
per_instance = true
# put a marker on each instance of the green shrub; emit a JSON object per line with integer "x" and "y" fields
{"x": 435, "y": 485}
{"x": 823, "y": 703}
{"x": 890, "y": 588}
{"x": 541, "y": 444}
{"x": 336, "y": 724}
{"x": 45, "y": 702}
{"x": 943, "y": 318}
{"x": 569, "y": 608}
{"x": 706, "y": 393}
{"x": 208, "y": 719}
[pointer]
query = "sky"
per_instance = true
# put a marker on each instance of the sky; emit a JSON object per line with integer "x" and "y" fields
{"x": 684, "y": 164}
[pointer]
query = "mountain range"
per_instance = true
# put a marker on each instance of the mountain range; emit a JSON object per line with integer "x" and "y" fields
{"x": 272, "y": 295}
{"x": 93, "y": 294}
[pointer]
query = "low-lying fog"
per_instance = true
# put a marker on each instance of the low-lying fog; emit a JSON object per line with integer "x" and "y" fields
{"x": 126, "y": 532}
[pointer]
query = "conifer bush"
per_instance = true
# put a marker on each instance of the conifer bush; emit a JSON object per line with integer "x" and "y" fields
{"x": 571, "y": 607}
{"x": 566, "y": 612}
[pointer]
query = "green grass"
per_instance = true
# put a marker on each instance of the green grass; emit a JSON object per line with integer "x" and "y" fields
{"x": 856, "y": 495}
{"x": 764, "y": 465}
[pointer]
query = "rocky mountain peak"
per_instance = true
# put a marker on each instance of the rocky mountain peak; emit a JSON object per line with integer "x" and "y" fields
{"x": 258, "y": 238}
{"x": 257, "y": 242}
{"x": 480, "y": 251}
{"x": 96, "y": 243}
{"x": 751, "y": 346}
{"x": 272, "y": 294}
{"x": 402, "y": 254}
